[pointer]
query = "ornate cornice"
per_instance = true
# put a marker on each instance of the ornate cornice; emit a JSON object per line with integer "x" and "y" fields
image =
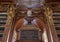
{"x": 55, "y": 6}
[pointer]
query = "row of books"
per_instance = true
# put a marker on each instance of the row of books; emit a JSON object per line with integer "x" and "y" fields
{"x": 3, "y": 18}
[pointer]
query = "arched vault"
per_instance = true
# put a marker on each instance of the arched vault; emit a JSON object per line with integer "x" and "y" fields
{"x": 39, "y": 22}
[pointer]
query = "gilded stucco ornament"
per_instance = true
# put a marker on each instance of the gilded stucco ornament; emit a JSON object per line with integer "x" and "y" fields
{"x": 49, "y": 11}
{"x": 11, "y": 12}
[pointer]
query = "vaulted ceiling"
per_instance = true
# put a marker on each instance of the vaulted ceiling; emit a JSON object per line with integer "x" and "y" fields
{"x": 53, "y": 5}
{"x": 45, "y": 0}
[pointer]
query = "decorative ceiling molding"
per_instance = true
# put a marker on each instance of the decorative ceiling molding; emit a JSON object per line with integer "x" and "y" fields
{"x": 54, "y": 5}
{"x": 45, "y": 1}
{"x": 6, "y": 0}
{"x": 4, "y": 8}
{"x": 48, "y": 1}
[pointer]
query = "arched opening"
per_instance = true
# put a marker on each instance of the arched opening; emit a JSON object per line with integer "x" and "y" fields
{"x": 29, "y": 32}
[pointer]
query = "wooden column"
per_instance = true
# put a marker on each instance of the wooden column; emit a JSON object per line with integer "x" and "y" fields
{"x": 12, "y": 12}
{"x": 7, "y": 32}
{"x": 51, "y": 32}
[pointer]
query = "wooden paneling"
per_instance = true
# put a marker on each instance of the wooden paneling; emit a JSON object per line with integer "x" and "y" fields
{"x": 29, "y": 40}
